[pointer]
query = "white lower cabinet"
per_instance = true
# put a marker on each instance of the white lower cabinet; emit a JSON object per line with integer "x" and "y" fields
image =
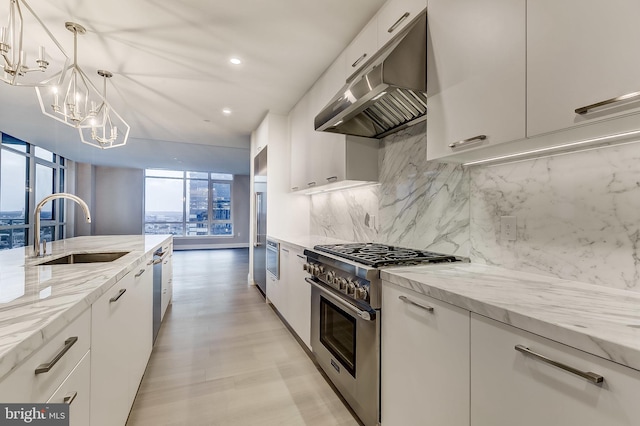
{"x": 32, "y": 381}
{"x": 424, "y": 359}
{"x": 167, "y": 280}
{"x": 75, "y": 392}
{"x": 298, "y": 296}
{"x": 291, "y": 294}
{"x": 120, "y": 346}
{"x": 510, "y": 388}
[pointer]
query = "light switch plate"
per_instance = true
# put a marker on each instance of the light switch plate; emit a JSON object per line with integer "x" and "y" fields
{"x": 508, "y": 228}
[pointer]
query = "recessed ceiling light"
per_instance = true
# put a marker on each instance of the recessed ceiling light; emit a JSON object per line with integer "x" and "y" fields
{"x": 226, "y": 111}
{"x": 235, "y": 61}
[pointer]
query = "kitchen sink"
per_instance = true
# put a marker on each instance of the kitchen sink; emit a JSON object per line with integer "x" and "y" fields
{"x": 85, "y": 258}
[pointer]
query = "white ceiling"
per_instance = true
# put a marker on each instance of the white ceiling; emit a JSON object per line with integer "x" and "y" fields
{"x": 173, "y": 76}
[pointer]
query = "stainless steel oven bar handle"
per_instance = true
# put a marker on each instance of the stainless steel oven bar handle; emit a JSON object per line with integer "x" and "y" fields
{"x": 592, "y": 377}
{"x": 408, "y": 301}
{"x": 628, "y": 96}
{"x": 365, "y": 315}
{"x": 258, "y": 207}
{"x": 464, "y": 142}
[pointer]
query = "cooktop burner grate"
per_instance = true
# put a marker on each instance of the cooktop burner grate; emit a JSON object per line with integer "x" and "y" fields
{"x": 376, "y": 255}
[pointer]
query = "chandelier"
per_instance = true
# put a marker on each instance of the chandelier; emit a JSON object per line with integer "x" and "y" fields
{"x": 26, "y": 61}
{"x": 113, "y": 131}
{"x": 73, "y": 101}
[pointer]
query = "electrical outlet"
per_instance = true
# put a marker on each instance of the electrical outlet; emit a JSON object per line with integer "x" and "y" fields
{"x": 508, "y": 228}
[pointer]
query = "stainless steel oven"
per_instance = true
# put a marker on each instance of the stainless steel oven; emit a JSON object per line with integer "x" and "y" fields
{"x": 345, "y": 316}
{"x": 273, "y": 258}
{"x": 344, "y": 340}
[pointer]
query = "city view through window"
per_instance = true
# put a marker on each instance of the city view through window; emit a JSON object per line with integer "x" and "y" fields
{"x": 188, "y": 203}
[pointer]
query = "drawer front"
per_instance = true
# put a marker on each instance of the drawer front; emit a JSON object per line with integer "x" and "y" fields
{"x": 75, "y": 392}
{"x": 509, "y": 387}
{"x": 24, "y": 385}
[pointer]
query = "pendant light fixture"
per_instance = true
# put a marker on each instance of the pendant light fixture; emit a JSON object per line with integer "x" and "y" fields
{"x": 73, "y": 101}
{"x": 113, "y": 132}
{"x": 34, "y": 59}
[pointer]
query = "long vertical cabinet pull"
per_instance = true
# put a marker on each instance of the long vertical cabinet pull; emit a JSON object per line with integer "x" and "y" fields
{"x": 592, "y": 377}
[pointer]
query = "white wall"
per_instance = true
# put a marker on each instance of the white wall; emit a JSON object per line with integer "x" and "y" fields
{"x": 119, "y": 201}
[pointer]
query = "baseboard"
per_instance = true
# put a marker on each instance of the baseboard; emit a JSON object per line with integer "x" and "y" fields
{"x": 209, "y": 246}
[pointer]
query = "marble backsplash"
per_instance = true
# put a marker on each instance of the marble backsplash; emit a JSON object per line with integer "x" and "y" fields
{"x": 417, "y": 204}
{"x": 578, "y": 214}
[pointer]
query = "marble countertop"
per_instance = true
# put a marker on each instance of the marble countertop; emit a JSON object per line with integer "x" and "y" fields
{"x": 36, "y": 302}
{"x": 599, "y": 320}
{"x": 307, "y": 241}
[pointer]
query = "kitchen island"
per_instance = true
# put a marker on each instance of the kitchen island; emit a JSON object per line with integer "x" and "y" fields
{"x": 41, "y": 303}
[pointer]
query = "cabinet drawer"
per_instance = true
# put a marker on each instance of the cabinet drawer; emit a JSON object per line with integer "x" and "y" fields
{"x": 509, "y": 387}
{"x": 395, "y": 15}
{"x": 24, "y": 385}
{"x": 75, "y": 392}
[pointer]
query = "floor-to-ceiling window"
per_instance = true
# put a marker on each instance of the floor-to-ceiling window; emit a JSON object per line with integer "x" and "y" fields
{"x": 27, "y": 174}
{"x": 188, "y": 203}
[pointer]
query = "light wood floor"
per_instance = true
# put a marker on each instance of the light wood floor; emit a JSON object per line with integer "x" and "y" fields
{"x": 223, "y": 357}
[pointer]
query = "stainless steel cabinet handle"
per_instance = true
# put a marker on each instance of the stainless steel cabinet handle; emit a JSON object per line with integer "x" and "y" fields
{"x": 311, "y": 184}
{"x": 406, "y": 300}
{"x": 464, "y": 142}
{"x": 284, "y": 250}
{"x": 44, "y": 368}
{"x": 300, "y": 256}
{"x": 68, "y": 399}
{"x": 586, "y": 109}
{"x": 398, "y": 22}
{"x": 332, "y": 178}
{"x": 360, "y": 59}
{"x": 294, "y": 188}
{"x": 155, "y": 262}
{"x": 592, "y": 377}
{"x": 142, "y": 271}
{"x": 118, "y": 296}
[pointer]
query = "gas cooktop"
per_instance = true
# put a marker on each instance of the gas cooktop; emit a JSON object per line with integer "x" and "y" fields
{"x": 376, "y": 255}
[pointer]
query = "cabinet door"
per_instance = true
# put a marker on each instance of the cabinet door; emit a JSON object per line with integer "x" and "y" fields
{"x": 580, "y": 53}
{"x": 275, "y": 289}
{"x": 476, "y": 74}
{"x": 425, "y": 360}
{"x": 139, "y": 331}
{"x": 75, "y": 392}
{"x": 167, "y": 279}
{"x": 299, "y": 297}
{"x": 327, "y": 150}
{"x": 510, "y": 388}
{"x": 298, "y": 136}
{"x": 110, "y": 328}
{"x": 395, "y": 15}
{"x": 361, "y": 48}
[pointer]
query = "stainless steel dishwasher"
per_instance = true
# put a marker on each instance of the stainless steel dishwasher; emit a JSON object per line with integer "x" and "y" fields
{"x": 158, "y": 256}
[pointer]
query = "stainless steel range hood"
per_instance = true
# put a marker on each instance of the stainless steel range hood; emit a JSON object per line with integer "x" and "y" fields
{"x": 388, "y": 94}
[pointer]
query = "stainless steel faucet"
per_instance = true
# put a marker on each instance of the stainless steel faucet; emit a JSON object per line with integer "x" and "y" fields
{"x": 36, "y": 216}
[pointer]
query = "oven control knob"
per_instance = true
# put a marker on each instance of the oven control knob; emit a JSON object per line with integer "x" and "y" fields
{"x": 342, "y": 284}
{"x": 361, "y": 293}
{"x": 331, "y": 276}
{"x": 351, "y": 288}
{"x": 305, "y": 267}
{"x": 316, "y": 270}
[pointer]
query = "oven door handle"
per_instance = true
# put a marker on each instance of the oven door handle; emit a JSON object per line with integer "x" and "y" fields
{"x": 365, "y": 315}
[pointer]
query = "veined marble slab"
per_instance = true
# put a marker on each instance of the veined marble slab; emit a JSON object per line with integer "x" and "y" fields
{"x": 599, "y": 320}
{"x": 37, "y": 302}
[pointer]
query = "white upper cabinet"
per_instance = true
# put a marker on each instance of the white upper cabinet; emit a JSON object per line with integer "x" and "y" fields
{"x": 579, "y": 54}
{"x": 476, "y": 69}
{"x": 299, "y": 130}
{"x": 395, "y": 15}
{"x": 361, "y": 48}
